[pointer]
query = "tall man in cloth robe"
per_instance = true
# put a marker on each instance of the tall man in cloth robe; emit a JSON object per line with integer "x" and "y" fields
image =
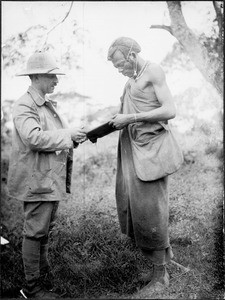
{"x": 142, "y": 182}
{"x": 40, "y": 168}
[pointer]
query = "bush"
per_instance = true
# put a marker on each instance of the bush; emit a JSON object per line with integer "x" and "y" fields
{"x": 90, "y": 256}
{"x": 12, "y": 276}
{"x": 92, "y": 259}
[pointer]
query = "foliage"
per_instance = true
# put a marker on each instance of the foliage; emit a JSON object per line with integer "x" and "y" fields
{"x": 17, "y": 48}
{"x": 205, "y": 52}
{"x": 210, "y": 40}
{"x": 92, "y": 259}
{"x": 96, "y": 256}
{"x": 177, "y": 58}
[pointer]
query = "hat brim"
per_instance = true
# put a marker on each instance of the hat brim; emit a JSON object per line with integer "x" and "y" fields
{"x": 56, "y": 71}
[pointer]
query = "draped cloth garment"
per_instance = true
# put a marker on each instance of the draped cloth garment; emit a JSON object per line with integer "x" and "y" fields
{"x": 142, "y": 205}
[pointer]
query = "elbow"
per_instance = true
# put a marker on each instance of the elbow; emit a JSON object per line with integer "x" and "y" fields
{"x": 172, "y": 112}
{"x": 33, "y": 141}
{"x": 33, "y": 145}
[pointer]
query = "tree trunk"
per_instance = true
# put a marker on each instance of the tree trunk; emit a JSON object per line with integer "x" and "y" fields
{"x": 211, "y": 68}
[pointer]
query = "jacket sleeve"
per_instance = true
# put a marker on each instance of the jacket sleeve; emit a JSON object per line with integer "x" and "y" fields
{"x": 28, "y": 125}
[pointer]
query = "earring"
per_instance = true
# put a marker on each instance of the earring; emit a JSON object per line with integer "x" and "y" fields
{"x": 135, "y": 71}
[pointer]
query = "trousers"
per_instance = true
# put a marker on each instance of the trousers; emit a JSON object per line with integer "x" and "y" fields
{"x": 39, "y": 219}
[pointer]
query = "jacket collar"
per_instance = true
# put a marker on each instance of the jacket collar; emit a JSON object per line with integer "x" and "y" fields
{"x": 36, "y": 97}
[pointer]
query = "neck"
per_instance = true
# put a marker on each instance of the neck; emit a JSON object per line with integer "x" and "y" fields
{"x": 37, "y": 88}
{"x": 140, "y": 64}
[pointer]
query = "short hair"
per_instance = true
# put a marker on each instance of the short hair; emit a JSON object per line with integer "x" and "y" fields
{"x": 124, "y": 44}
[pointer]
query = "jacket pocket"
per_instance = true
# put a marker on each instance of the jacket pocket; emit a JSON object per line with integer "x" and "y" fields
{"x": 41, "y": 183}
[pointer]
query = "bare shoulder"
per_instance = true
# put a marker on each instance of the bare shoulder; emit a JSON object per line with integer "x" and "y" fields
{"x": 155, "y": 73}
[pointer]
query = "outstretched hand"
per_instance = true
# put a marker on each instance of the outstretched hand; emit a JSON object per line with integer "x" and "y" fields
{"x": 78, "y": 135}
{"x": 119, "y": 121}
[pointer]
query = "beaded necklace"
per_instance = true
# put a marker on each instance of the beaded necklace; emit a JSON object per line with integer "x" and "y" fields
{"x": 141, "y": 71}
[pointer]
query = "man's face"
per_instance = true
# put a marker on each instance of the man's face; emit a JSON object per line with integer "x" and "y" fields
{"x": 122, "y": 64}
{"x": 47, "y": 83}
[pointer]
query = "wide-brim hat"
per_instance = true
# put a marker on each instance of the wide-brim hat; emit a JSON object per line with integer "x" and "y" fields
{"x": 41, "y": 63}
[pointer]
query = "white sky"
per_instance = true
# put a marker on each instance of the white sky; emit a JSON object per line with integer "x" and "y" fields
{"x": 106, "y": 20}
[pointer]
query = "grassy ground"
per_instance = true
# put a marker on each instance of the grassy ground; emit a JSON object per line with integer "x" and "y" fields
{"x": 92, "y": 259}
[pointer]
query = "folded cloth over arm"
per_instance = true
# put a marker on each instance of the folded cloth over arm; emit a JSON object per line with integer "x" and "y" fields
{"x": 100, "y": 131}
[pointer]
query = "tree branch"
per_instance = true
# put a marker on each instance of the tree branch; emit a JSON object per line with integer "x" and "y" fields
{"x": 210, "y": 68}
{"x": 168, "y": 28}
{"x": 47, "y": 34}
{"x": 219, "y": 16}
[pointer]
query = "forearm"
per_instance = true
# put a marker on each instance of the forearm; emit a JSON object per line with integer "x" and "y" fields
{"x": 33, "y": 137}
{"x": 28, "y": 125}
{"x": 46, "y": 141}
{"x": 155, "y": 115}
{"x": 162, "y": 113}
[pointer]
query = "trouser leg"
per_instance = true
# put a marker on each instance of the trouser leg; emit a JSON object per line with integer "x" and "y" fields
{"x": 44, "y": 262}
{"x": 46, "y": 275}
{"x": 39, "y": 217}
{"x": 31, "y": 258}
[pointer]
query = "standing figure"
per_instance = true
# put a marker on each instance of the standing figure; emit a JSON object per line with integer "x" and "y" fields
{"x": 40, "y": 169}
{"x": 147, "y": 154}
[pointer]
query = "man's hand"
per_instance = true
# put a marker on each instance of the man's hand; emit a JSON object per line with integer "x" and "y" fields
{"x": 121, "y": 120}
{"x": 78, "y": 135}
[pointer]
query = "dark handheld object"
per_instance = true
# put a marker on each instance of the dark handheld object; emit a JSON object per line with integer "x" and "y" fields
{"x": 100, "y": 131}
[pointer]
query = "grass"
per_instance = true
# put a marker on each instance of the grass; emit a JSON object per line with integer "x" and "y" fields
{"x": 92, "y": 259}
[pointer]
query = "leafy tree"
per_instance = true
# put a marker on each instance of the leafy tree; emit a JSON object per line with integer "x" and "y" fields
{"x": 205, "y": 52}
{"x": 19, "y": 47}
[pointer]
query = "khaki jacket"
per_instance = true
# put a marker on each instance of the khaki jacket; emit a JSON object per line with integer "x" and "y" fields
{"x": 40, "y": 165}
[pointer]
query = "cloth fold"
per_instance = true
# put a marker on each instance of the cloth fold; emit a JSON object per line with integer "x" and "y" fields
{"x": 141, "y": 181}
{"x": 155, "y": 150}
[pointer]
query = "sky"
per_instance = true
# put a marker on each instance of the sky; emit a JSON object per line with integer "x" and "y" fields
{"x": 105, "y": 21}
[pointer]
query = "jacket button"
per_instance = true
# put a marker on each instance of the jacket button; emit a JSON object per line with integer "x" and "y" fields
{"x": 55, "y": 115}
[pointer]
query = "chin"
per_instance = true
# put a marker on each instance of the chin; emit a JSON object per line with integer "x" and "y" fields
{"x": 51, "y": 91}
{"x": 129, "y": 75}
{"x": 126, "y": 75}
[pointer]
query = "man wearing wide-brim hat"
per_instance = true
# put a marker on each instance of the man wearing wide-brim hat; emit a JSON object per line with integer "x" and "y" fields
{"x": 40, "y": 168}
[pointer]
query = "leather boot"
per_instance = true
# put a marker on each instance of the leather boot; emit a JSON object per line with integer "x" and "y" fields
{"x": 34, "y": 289}
{"x": 31, "y": 258}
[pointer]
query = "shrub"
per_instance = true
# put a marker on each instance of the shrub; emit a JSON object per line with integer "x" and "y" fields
{"x": 92, "y": 252}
